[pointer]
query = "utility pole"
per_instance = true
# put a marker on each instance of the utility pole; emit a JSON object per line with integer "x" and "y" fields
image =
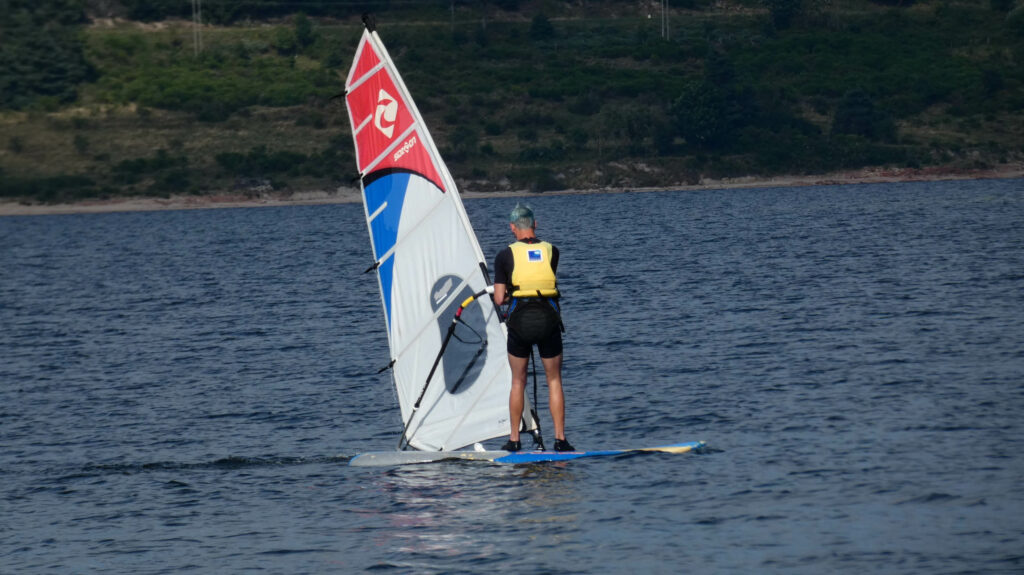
{"x": 664, "y": 19}
{"x": 197, "y": 21}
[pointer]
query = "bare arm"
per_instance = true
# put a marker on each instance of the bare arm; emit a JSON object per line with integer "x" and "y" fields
{"x": 500, "y": 294}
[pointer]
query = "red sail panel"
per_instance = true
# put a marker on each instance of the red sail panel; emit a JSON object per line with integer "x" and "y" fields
{"x": 383, "y": 119}
{"x": 366, "y": 60}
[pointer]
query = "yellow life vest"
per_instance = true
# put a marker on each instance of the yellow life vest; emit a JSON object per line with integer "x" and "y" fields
{"x": 532, "y": 275}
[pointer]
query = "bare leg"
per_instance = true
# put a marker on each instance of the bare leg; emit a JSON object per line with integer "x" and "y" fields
{"x": 556, "y": 401}
{"x": 516, "y": 398}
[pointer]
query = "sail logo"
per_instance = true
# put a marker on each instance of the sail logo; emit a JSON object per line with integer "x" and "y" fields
{"x": 442, "y": 292}
{"x": 386, "y": 114}
{"x": 466, "y": 353}
{"x": 535, "y": 256}
{"x": 404, "y": 149}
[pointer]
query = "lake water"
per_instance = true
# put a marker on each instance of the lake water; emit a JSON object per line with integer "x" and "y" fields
{"x": 181, "y": 391}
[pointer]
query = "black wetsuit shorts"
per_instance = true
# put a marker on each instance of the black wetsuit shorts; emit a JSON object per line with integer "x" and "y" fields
{"x": 541, "y": 329}
{"x": 550, "y": 347}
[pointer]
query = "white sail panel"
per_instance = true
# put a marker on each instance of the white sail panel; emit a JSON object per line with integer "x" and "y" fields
{"x": 428, "y": 263}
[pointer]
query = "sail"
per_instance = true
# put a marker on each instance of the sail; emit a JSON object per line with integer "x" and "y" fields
{"x": 428, "y": 262}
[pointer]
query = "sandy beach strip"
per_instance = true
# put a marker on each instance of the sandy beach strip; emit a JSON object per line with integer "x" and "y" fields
{"x": 351, "y": 195}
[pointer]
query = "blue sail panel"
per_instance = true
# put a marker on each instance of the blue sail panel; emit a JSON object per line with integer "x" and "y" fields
{"x": 387, "y": 192}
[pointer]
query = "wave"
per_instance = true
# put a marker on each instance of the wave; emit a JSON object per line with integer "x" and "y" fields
{"x": 224, "y": 463}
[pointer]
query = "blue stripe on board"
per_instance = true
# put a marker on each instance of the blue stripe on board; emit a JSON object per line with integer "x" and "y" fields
{"x": 391, "y": 189}
{"x": 538, "y": 456}
{"x": 388, "y": 458}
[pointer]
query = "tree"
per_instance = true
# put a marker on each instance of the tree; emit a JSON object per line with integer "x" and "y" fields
{"x": 541, "y": 28}
{"x": 1015, "y": 20}
{"x": 304, "y": 35}
{"x": 701, "y": 115}
{"x": 783, "y": 12}
{"x": 857, "y": 114}
{"x": 463, "y": 143}
{"x": 151, "y": 10}
{"x": 42, "y": 54}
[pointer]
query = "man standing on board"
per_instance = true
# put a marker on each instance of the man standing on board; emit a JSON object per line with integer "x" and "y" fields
{"x": 524, "y": 277}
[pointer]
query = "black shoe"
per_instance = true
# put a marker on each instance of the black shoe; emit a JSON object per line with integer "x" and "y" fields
{"x": 563, "y": 445}
{"x": 511, "y": 446}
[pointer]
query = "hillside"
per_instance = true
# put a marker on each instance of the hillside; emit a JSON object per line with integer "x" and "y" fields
{"x": 519, "y": 95}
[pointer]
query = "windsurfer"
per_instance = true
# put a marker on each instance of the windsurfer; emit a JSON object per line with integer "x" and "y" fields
{"x": 524, "y": 278}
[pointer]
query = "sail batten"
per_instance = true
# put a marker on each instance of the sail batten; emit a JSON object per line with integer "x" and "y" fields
{"x": 366, "y": 76}
{"x": 377, "y": 212}
{"x": 429, "y": 262}
{"x": 391, "y": 149}
{"x": 446, "y": 304}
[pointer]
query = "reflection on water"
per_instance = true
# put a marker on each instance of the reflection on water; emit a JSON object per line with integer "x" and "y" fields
{"x": 472, "y": 510}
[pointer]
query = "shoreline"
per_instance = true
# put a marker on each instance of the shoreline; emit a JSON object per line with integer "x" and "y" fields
{"x": 352, "y": 195}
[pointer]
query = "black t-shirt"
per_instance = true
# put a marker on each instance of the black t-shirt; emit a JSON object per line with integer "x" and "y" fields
{"x": 504, "y": 262}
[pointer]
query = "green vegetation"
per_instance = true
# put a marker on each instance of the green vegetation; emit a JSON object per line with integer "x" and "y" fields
{"x": 518, "y": 94}
{"x": 41, "y": 57}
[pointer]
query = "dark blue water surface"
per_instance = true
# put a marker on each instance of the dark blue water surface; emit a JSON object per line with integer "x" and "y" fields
{"x": 181, "y": 391}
